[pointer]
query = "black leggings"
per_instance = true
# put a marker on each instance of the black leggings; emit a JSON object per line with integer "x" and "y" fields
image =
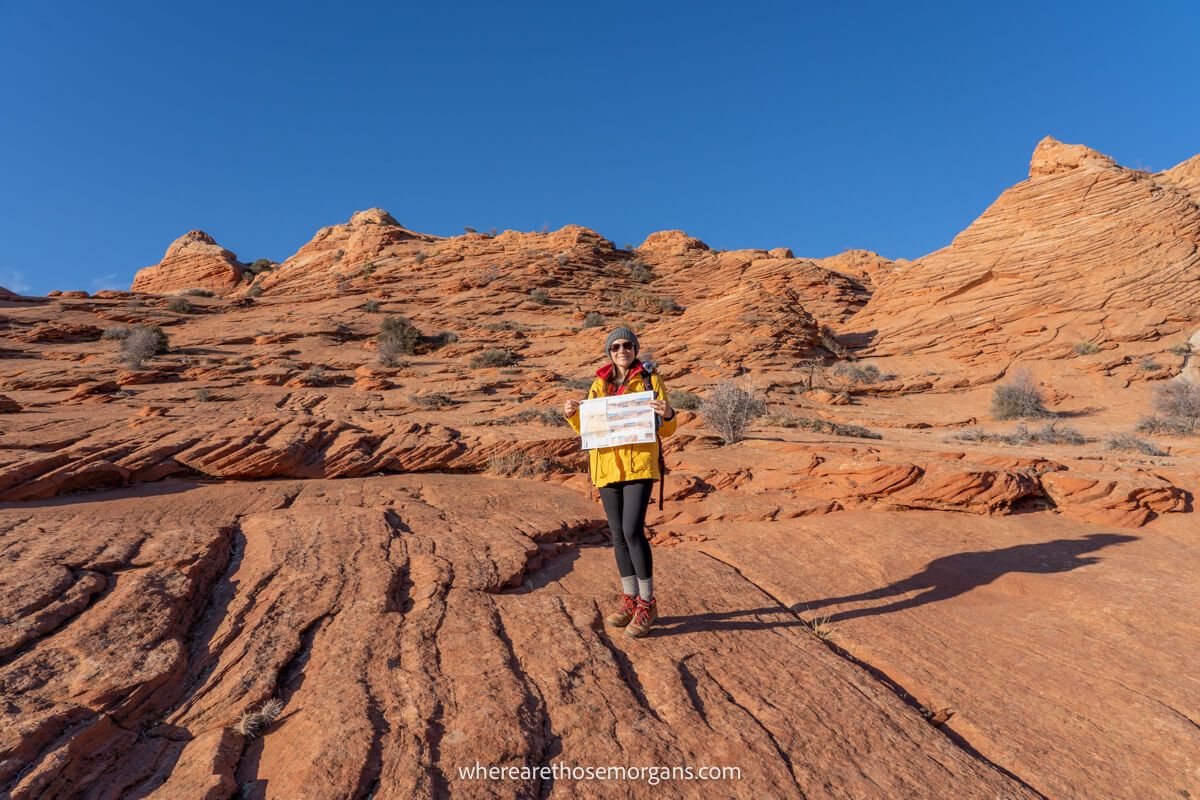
{"x": 625, "y": 504}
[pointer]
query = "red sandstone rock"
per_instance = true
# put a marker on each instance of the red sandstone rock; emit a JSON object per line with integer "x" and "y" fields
{"x": 192, "y": 260}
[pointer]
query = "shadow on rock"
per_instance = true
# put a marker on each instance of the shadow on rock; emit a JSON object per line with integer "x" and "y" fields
{"x": 957, "y": 574}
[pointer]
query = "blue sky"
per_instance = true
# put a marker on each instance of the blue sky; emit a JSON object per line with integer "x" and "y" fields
{"x": 820, "y": 127}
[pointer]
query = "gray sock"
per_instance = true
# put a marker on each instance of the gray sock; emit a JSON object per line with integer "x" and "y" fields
{"x": 646, "y": 589}
{"x": 629, "y": 585}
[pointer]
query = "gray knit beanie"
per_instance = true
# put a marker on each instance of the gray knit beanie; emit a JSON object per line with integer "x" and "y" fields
{"x": 622, "y": 333}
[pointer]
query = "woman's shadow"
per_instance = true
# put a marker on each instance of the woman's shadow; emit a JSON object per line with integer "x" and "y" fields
{"x": 941, "y": 579}
{"x": 950, "y": 576}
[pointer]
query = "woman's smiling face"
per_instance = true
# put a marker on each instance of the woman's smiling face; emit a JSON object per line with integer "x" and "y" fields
{"x": 621, "y": 352}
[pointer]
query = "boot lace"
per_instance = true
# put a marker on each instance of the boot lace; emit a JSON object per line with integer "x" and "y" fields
{"x": 641, "y": 615}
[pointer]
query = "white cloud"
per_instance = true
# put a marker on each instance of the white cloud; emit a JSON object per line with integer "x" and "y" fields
{"x": 14, "y": 280}
{"x": 108, "y": 281}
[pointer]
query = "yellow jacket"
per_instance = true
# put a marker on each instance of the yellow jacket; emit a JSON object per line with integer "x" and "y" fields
{"x": 626, "y": 462}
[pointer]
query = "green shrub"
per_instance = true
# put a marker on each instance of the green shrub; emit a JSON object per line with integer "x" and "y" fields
{"x": 397, "y": 336}
{"x": 367, "y": 269}
{"x": 494, "y": 358}
{"x": 257, "y": 267}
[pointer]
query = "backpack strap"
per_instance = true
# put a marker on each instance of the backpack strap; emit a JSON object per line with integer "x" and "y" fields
{"x": 652, "y": 368}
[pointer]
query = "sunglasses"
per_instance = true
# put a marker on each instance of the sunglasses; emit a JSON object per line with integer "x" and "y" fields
{"x": 620, "y": 346}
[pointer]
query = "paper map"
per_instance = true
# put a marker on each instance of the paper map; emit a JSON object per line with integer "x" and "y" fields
{"x": 619, "y": 419}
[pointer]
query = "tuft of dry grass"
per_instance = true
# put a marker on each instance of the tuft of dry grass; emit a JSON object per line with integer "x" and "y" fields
{"x": 255, "y": 723}
{"x": 821, "y": 628}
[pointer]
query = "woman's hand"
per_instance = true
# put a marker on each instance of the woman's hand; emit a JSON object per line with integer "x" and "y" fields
{"x": 662, "y": 408}
{"x": 570, "y": 407}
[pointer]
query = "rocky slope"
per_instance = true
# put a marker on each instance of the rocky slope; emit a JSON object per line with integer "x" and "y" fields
{"x": 1083, "y": 251}
{"x": 864, "y": 598}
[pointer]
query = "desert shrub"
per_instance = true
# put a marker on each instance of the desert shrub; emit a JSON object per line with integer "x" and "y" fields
{"x": 432, "y": 401}
{"x": 367, "y": 269}
{"x": 314, "y": 376}
{"x": 1054, "y": 433}
{"x": 493, "y": 358}
{"x": 202, "y": 396}
{"x": 506, "y": 325}
{"x": 115, "y": 333}
{"x": 397, "y": 336}
{"x": 469, "y": 229}
{"x": 1018, "y": 399}
{"x": 1180, "y": 349}
{"x": 667, "y": 304}
{"x": 540, "y": 296}
{"x": 257, "y": 267}
{"x": 581, "y": 384}
{"x": 371, "y": 306}
{"x": 519, "y": 464}
{"x": 729, "y": 410}
{"x": 593, "y": 319}
{"x": 197, "y": 291}
{"x": 255, "y": 723}
{"x": 1179, "y": 401}
{"x": 830, "y": 341}
{"x": 1086, "y": 348}
{"x": 562, "y": 259}
{"x": 179, "y": 305}
{"x": 817, "y": 425}
{"x": 1128, "y": 443}
{"x": 143, "y": 342}
{"x": 859, "y": 375}
{"x": 1149, "y": 365}
{"x": 441, "y": 339}
{"x": 1163, "y": 426}
{"x": 640, "y": 271}
{"x": 682, "y": 400}
{"x": 254, "y": 291}
{"x": 420, "y": 257}
{"x": 1050, "y": 433}
{"x": 543, "y": 416}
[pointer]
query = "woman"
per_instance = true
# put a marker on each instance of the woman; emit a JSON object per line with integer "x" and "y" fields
{"x": 625, "y": 475}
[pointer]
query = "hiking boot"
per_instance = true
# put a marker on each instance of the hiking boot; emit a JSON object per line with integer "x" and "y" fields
{"x": 620, "y": 618}
{"x": 643, "y": 617}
